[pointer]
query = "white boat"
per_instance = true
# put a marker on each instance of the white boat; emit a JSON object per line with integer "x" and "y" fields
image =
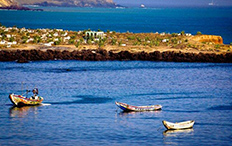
{"x": 142, "y": 6}
{"x": 178, "y": 126}
{"x": 211, "y": 4}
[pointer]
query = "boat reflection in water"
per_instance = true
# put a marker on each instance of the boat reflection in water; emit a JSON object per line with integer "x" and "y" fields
{"x": 175, "y": 133}
{"x": 133, "y": 113}
{"x": 23, "y": 111}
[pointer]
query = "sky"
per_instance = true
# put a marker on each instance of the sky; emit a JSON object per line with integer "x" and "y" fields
{"x": 155, "y": 3}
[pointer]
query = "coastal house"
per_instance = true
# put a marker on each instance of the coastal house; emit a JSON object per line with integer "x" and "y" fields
{"x": 55, "y": 34}
{"x": 56, "y": 39}
{"x": 59, "y": 30}
{"x": 188, "y": 34}
{"x": 49, "y": 44}
{"x": 162, "y": 34}
{"x": 8, "y": 36}
{"x": 65, "y": 34}
{"x": 23, "y": 29}
{"x": 94, "y": 34}
{"x": 9, "y": 44}
{"x": 165, "y": 40}
{"x": 3, "y": 42}
{"x": 29, "y": 40}
{"x": 67, "y": 38}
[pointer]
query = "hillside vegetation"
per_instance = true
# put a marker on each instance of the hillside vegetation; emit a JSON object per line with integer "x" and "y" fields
{"x": 70, "y": 3}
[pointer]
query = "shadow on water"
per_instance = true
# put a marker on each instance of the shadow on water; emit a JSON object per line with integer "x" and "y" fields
{"x": 85, "y": 100}
{"x": 184, "y": 97}
{"x": 221, "y": 107}
{"x": 173, "y": 93}
{"x": 183, "y": 111}
{"x": 213, "y": 124}
{"x": 21, "y": 112}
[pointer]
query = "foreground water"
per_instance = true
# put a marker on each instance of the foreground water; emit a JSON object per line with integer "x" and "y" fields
{"x": 213, "y": 21}
{"x": 79, "y": 103}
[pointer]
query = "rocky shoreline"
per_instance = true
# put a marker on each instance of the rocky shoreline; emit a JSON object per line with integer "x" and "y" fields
{"x": 15, "y": 7}
{"x": 24, "y": 56}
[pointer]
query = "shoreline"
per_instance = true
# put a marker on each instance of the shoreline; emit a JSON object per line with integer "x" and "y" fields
{"x": 25, "y": 56}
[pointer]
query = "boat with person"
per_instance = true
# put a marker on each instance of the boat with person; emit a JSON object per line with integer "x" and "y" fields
{"x": 128, "y": 108}
{"x": 178, "y": 125}
{"x": 20, "y": 100}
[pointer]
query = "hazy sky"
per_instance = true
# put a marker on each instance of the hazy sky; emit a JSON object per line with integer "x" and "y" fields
{"x": 153, "y": 3}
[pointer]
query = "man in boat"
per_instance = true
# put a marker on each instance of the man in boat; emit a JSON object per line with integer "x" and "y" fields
{"x": 35, "y": 94}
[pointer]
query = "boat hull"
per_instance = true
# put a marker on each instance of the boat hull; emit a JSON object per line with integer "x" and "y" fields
{"x": 127, "y": 108}
{"x": 178, "y": 126}
{"x": 19, "y": 100}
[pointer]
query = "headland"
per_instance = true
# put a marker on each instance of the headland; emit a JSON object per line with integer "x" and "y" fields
{"x": 24, "y": 45}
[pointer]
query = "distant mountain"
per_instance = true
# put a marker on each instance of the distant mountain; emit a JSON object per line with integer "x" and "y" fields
{"x": 13, "y": 5}
{"x": 7, "y": 3}
{"x": 69, "y": 3}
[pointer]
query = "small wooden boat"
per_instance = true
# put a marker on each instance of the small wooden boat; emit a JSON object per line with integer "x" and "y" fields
{"x": 19, "y": 100}
{"x": 178, "y": 126}
{"x": 127, "y": 107}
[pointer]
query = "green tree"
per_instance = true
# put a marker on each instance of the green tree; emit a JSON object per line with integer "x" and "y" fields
{"x": 37, "y": 39}
{"x": 71, "y": 41}
{"x": 217, "y": 46}
{"x": 138, "y": 39}
{"x": 11, "y": 39}
{"x": 199, "y": 33}
{"x": 120, "y": 43}
{"x": 132, "y": 37}
{"x": 101, "y": 43}
{"x": 73, "y": 37}
{"x": 81, "y": 40}
{"x": 174, "y": 34}
{"x": 147, "y": 38}
{"x": 78, "y": 44}
{"x": 89, "y": 41}
{"x": 58, "y": 42}
{"x": 113, "y": 41}
{"x": 156, "y": 43}
{"x": 182, "y": 32}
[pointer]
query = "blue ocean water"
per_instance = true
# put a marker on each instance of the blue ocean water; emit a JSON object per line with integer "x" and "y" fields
{"x": 79, "y": 101}
{"x": 213, "y": 21}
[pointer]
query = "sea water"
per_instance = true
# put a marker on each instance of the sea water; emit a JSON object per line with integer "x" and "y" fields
{"x": 79, "y": 103}
{"x": 209, "y": 20}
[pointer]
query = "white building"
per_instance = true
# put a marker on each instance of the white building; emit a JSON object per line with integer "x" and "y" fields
{"x": 8, "y": 36}
{"x": 30, "y": 40}
{"x": 94, "y": 34}
{"x": 55, "y": 34}
{"x": 49, "y": 44}
{"x": 165, "y": 40}
{"x": 3, "y": 42}
{"x": 67, "y": 38}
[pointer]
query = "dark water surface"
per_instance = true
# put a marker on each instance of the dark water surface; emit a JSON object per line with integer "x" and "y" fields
{"x": 213, "y": 21}
{"x": 80, "y": 107}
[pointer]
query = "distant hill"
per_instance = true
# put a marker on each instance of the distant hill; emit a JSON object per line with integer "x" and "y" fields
{"x": 69, "y": 3}
{"x": 7, "y": 3}
{"x": 13, "y": 5}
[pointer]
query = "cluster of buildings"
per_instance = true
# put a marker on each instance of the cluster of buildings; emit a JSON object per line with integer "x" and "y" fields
{"x": 13, "y": 36}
